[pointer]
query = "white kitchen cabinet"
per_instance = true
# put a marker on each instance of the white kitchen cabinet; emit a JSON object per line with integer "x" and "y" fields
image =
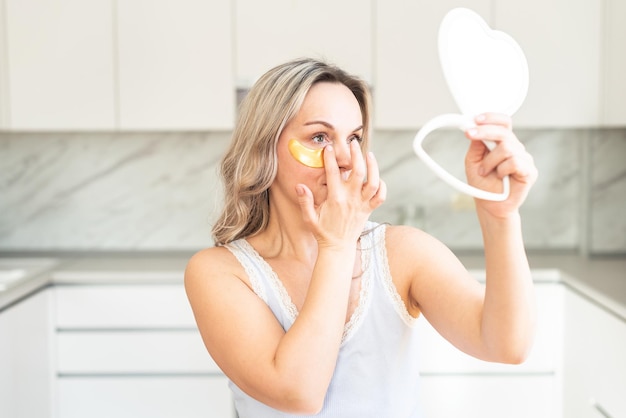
{"x": 175, "y": 65}
{"x": 561, "y": 40}
{"x": 136, "y": 306}
{"x": 492, "y": 396}
{"x": 271, "y": 32}
{"x": 409, "y": 87}
{"x": 614, "y": 64}
{"x": 456, "y": 384}
{"x": 121, "y": 352}
{"x": 133, "y": 350}
{"x": 60, "y": 65}
{"x": 4, "y": 79}
{"x": 26, "y": 349}
{"x": 439, "y": 356}
{"x": 594, "y": 378}
{"x": 149, "y": 397}
{"x": 563, "y": 44}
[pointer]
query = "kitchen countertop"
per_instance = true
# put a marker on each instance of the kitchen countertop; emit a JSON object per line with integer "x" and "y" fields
{"x": 93, "y": 268}
{"x": 601, "y": 279}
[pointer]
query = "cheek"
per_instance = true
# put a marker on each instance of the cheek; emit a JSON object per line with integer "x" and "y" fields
{"x": 292, "y": 172}
{"x": 295, "y": 173}
{"x": 290, "y": 168}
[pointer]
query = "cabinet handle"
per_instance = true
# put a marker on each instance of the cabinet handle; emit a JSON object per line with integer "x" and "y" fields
{"x": 595, "y": 405}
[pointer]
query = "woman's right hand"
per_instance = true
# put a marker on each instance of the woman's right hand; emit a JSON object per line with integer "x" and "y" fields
{"x": 350, "y": 200}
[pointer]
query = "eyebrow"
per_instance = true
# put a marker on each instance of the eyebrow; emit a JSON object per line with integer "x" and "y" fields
{"x": 328, "y": 125}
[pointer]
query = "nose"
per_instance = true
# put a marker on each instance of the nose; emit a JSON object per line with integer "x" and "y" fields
{"x": 342, "y": 153}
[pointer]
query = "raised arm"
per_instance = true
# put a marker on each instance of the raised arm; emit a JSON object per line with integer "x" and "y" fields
{"x": 495, "y": 322}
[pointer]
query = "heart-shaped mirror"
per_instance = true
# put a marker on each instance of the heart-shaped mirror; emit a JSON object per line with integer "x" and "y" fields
{"x": 486, "y": 71}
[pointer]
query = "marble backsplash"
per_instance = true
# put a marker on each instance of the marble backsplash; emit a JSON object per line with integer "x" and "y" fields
{"x": 159, "y": 191}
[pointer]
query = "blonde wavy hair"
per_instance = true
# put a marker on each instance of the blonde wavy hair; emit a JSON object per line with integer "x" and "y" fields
{"x": 249, "y": 166}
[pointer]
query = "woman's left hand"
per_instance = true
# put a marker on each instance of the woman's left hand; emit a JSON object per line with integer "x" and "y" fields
{"x": 485, "y": 169}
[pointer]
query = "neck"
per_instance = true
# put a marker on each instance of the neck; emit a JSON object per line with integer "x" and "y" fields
{"x": 286, "y": 235}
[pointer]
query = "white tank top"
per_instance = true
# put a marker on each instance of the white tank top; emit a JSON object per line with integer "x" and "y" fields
{"x": 377, "y": 373}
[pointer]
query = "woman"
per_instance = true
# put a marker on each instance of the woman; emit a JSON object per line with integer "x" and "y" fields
{"x": 307, "y": 306}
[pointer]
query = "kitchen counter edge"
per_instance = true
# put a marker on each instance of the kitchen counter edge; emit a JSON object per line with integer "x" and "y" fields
{"x": 602, "y": 280}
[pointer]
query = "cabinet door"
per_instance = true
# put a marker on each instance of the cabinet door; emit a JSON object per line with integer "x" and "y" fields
{"x": 271, "y": 32}
{"x": 175, "y": 65}
{"x": 60, "y": 64}
{"x": 136, "y": 352}
{"x": 97, "y": 307}
{"x": 145, "y": 397}
{"x": 562, "y": 42}
{"x": 440, "y": 357}
{"x": 409, "y": 88}
{"x": 614, "y": 63}
{"x": 26, "y": 372}
{"x": 594, "y": 375}
{"x": 4, "y": 79}
{"x": 521, "y": 396}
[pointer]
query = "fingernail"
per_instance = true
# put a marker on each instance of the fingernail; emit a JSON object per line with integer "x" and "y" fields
{"x": 299, "y": 190}
{"x": 480, "y": 118}
{"x": 328, "y": 148}
{"x": 472, "y": 132}
{"x": 371, "y": 155}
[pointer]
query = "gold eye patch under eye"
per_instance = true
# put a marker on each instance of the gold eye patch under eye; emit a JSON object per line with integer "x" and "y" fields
{"x": 307, "y": 156}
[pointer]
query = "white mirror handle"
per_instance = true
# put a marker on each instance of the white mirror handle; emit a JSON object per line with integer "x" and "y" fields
{"x": 463, "y": 122}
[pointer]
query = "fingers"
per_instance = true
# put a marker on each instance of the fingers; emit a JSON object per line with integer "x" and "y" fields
{"x": 508, "y": 157}
{"x": 305, "y": 199}
{"x": 350, "y": 197}
{"x": 359, "y": 170}
{"x": 360, "y": 176}
{"x": 488, "y": 132}
{"x": 370, "y": 187}
{"x": 490, "y": 118}
{"x": 331, "y": 167}
{"x": 339, "y": 172}
{"x": 522, "y": 169}
{"x": 380, "y": 196}
{"x": 506, "y": 149}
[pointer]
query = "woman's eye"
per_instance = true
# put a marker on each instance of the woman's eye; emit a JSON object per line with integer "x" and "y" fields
{"x": 355, "y": 138}
{"x": 319, "y": 139}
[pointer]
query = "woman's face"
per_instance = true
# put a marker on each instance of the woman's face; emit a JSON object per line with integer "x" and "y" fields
{"x": 330, "y": 114}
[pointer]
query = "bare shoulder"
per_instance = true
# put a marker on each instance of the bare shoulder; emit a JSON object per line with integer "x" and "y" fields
{"x": 209, "y": 262}
{"x": 214, "y": 276}
{"x": 210, "y": 266}
{"x": 418, "y": 262}
{"x": 408, "y": 244}
{"x": 399, "y": 234}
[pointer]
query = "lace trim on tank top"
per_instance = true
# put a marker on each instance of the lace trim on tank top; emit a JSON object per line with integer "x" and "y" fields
{"x": 285, "y": 300}
{"x": 388, "y": 284}
{"x": 364, "y": 293}
{"x": 239, "y": 251}
{"x": 276, "y": 285}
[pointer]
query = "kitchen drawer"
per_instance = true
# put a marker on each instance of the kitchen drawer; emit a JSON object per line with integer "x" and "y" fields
{"x": 140, "y": 397}
{"x": 494, "y": 396}
{"x": 439, "y": 356}
{"x": 594, "y": 377}
{"x": 123, "y": 352}
{"x": 123, "y": 306}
